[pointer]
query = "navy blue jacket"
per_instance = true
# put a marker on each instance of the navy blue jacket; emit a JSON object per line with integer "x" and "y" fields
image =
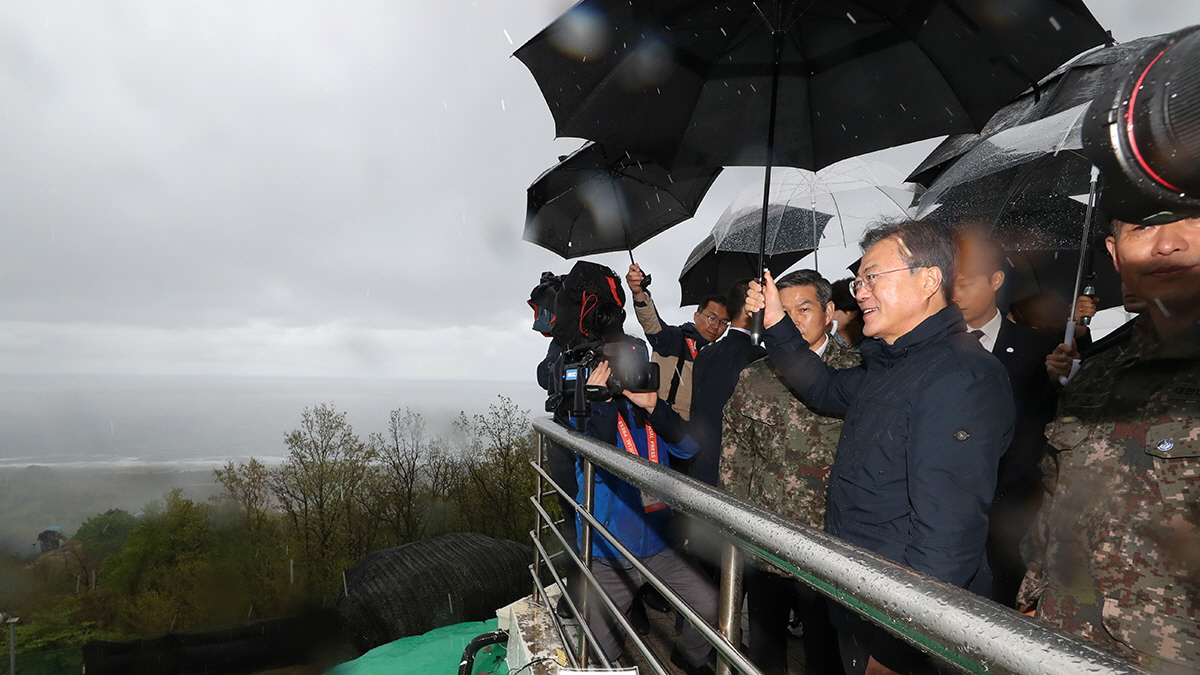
{"x": 926, "y": 422}
{"x": 714, "y": 378}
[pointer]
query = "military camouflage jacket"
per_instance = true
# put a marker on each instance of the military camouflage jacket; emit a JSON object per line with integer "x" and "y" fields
{"x": 775, "y": 451}
{"x": 1115, "y": 553}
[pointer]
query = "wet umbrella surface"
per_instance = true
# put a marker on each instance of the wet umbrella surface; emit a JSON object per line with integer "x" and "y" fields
{"x": 692, "y": 82}
{"x": 599, "y": 199}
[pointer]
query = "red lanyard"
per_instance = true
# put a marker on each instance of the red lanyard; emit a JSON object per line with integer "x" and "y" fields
{"x": 691, "y": 345}
{"x": 627, "y": 438}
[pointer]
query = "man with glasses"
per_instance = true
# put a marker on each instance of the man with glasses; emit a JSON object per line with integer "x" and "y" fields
{"x": 927, "y": 417}
{"x": 676, "y": 347}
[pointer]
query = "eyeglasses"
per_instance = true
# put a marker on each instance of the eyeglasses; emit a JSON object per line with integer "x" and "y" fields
{"x": 868, "y": 281}
{"x": 713, "y": 320}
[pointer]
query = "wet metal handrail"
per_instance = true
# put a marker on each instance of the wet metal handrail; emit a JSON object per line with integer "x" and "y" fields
{"x": 971, "y": 632}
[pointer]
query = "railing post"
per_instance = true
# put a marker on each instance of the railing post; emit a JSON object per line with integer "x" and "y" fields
{"x": 537, "y": 526}
{"x": 729, "y": 609}
{"x": 585, "y": 547}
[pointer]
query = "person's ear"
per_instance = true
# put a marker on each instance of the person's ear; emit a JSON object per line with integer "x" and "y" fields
{"x": 829, "y": 310}
{"x": 997, "y": 279}
{"x": 932, "y": 281}
{"x": 1111, "y": 244}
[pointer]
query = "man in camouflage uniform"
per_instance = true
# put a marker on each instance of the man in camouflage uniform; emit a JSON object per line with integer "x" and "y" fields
{"x": 1115, "y": 554}
{"x": 776, "y": 453}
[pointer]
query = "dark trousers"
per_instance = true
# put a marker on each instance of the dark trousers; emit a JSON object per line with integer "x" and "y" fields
{"x": 1011, "y": 516}
{"x": 770, "y": 599}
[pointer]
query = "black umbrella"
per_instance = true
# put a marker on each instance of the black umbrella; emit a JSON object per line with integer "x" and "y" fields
{"x": 598, "y": 200}
{"x": 706, "y": 82}
{"x": 701, "y": 82}
{"x": 1036, "y": 206}
{"x": 1030, "y": 185}
{"x": 1074, "y": 83}
{"x": 710, "y": 272}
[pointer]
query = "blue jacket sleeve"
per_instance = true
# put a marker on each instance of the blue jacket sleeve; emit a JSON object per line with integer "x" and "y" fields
{"x": 961, "y": 424}
{"x": 822, "y": 386}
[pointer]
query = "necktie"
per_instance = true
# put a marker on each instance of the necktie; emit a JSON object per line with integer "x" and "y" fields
{"x": 977, "y": 334}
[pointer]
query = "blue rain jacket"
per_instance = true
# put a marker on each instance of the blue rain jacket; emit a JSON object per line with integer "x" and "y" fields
{"x": 618, "y": 505}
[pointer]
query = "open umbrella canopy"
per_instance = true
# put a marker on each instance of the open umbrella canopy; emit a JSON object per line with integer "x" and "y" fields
{"x": 1075, "y": 82}
{"x": 811, "y": 210}
{"x": 709, "y": 271}
{"x": 1027, "y": 185}
{"x": 599, "y": 199}
{"x": 700, "y": 81}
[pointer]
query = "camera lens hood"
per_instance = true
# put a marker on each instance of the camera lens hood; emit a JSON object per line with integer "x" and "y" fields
{"x": 1143, "y": 132}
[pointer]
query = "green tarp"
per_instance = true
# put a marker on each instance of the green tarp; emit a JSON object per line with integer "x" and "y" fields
{"x": 437, "y": 652}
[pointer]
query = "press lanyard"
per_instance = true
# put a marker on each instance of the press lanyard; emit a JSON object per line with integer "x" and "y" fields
{"x": 650, "y": 503}
{"x": 627, "y": 439}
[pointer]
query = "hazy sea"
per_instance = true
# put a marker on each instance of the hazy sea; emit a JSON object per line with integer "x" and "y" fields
{"x": 153, "y": 422}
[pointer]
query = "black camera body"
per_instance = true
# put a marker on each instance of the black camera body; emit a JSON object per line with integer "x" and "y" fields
{"x": 629, "y": 360}
{"x": 1143, "y": 133}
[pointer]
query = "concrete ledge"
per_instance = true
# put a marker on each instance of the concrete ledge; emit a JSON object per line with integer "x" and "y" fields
{"x": 531, "y": 635}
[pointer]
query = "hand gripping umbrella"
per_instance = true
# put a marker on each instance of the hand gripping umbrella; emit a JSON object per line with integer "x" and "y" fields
{"x": 798, "y": 83}
{"x": 599, "y": 199}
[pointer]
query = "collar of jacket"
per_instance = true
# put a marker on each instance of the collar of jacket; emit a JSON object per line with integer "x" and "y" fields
{"x": 1147, "y": 346}
{"x": 689, "y": 330}
{"x": 930, "y": 331}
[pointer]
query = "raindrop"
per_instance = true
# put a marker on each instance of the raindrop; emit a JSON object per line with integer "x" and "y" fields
{"x": 903, "y": 108}
{"x": 507, "y": 36}
{"x": 724, "y": 33}
{"x": 444, "y": 104}
{"x": 1054, "y": 22}
{"x": 501, "y": 104}
{"x": 753, "y": 89}
{"x": 851, "y": 17}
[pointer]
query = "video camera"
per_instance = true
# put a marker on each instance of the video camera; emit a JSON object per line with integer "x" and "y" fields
{"x": 627, "y": 357}
{"x": 589, "y": 317}
{"x": 1143, "y": 132}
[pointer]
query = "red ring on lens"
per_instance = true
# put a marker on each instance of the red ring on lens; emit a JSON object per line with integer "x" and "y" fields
{"x": 1129, "y": 127}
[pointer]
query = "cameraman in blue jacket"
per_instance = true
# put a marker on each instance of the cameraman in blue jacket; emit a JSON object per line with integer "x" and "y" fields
{"x": 636, "y": 423}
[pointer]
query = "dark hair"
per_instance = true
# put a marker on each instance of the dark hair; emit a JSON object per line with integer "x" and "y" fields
{"x": 922, "y": 244}
{"x": 736, "y": 298}
{"x": 990, "y": 253}
{"x": 719, "y": 299}
{"x": 843, "y": 299}
{"x": 807, "y": 278}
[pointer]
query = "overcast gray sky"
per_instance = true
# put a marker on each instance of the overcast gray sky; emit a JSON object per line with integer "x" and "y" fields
{"x": 297, "y": 188}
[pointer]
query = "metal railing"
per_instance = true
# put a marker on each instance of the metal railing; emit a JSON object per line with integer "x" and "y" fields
{"x": 966, "y": 630}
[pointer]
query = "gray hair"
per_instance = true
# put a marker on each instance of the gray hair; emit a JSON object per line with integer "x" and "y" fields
{"x": 922, "y": 244}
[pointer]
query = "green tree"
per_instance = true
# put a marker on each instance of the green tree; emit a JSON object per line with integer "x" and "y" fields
{"x": 100, "y": 536}
{"x": 403, "y": 489}
{"x": 248, "y": 485}
{"x": 320, "y": 490}
{"x": 497, "y": 449}
{"x": 165, "y": 569}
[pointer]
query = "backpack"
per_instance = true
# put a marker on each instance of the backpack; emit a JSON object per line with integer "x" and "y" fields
{"x": 589, "y": 306}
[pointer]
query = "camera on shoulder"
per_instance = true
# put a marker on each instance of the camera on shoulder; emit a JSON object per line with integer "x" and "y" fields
{"x": 631, "y": 370}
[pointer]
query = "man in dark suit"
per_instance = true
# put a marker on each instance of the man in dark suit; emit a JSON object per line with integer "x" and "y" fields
{"x": 713, "y": 379}
{"x": 1022, "y": 351}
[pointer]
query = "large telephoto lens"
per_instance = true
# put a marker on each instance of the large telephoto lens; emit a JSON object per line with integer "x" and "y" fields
{"x": 1143, "y": 132}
